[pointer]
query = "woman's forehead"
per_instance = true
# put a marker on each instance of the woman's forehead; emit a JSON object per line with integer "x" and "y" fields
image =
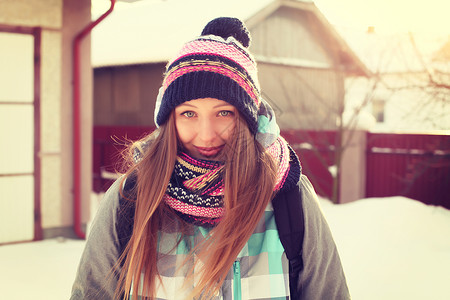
{"x": 205, "y": 103}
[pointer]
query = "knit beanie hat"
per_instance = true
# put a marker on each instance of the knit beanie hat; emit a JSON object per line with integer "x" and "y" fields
{"x": 215, "y": 65}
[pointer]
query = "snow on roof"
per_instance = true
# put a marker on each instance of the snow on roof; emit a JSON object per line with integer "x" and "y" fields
{"x": 152, "y": 31}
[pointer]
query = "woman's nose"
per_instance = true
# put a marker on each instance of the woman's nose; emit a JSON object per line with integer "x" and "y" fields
{"x": 206, "y": 130}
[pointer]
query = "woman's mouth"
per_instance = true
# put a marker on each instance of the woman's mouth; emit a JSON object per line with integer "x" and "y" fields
{"x": 209, "y": 151}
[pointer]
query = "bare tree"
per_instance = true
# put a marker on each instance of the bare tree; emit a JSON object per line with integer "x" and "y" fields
{"x": 429, "y": 86}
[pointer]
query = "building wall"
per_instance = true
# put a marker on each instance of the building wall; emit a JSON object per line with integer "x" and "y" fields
{"x": 51, "y": 152}
{"x": 41, "y": 13}
{"x": 126, "y": 95}
{"x": 298, "y": 70}
{"x": 303, "y": 98}
{"x": 76, "y": 15}
{"x": 291, "y": 34}
{"x": 59, "y": 21}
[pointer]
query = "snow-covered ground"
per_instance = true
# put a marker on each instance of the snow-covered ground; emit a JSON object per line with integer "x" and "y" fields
{"x": 391, "y": 248}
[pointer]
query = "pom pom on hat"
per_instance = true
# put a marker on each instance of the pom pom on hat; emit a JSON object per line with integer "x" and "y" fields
{"x": 215, "y": 65}
{"x": 226, "y": 27}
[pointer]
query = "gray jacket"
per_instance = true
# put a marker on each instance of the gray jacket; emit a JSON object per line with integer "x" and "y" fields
{"x": 322, "y": 276}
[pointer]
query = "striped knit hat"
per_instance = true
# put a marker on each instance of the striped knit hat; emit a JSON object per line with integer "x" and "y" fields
{"x": 215, "y": 65}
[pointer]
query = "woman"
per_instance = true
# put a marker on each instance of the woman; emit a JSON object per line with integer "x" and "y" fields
{"x": 192, "y": 218}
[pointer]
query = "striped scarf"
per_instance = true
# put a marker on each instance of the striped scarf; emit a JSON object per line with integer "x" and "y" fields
{"x": 195, "y": 190}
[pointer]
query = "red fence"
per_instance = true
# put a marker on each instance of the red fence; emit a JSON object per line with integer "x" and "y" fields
{"x": 316, "y": 152}
{"x": 411, "y": 165}
{"x": 109, "y": 143}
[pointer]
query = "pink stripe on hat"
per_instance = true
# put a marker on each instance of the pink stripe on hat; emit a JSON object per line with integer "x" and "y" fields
{"x": 212, "y": 47}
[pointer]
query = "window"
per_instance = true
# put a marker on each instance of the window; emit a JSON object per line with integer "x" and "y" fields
{"x": 378, "y": 106}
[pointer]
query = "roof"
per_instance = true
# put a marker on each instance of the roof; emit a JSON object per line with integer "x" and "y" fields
{"x": 152, "y": 31}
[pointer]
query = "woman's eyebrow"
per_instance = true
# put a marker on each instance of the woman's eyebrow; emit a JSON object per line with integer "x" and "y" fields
{"x": 187, "y": 104}
{"x": 223, "y": 105}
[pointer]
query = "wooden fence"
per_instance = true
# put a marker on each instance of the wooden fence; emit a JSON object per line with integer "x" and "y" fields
{"x": 416, "y": 166}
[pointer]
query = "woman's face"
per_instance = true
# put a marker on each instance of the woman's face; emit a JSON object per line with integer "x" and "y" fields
{"x": 204, "y": 126}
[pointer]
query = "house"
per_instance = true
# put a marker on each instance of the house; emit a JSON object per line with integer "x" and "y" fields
{"x": 302, "y": 60}
{"x": 39, "y": 52}
{"x": 440, "y": 64}
{"x": 402, "y": 95}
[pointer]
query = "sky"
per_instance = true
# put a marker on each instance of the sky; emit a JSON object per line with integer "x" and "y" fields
{"x": 387, "y": 16}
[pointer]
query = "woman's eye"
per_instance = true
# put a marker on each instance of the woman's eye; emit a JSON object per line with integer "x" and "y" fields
{"x": 225, "y": 113}
{"x": 188, "y": 114}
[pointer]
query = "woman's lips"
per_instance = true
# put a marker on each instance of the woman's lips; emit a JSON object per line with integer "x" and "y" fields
{"x": 209, "y": 151}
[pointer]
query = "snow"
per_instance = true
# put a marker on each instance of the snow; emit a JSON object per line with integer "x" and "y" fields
{"x": 304, "y": 145}
{"x": 359, "y": 120}
{"x": 333, "y": 170}
{"x": 391, "y": 248}
{"x": 42, "y": 270}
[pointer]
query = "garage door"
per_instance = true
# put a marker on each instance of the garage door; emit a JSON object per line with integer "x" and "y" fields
{"x": 16, "y": 137}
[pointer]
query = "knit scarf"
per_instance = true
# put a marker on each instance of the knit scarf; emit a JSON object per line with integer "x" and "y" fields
{"x": 195, "y": 190}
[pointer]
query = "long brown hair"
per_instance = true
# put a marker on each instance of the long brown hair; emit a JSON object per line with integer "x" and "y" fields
{"x": 249, "y": 179}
